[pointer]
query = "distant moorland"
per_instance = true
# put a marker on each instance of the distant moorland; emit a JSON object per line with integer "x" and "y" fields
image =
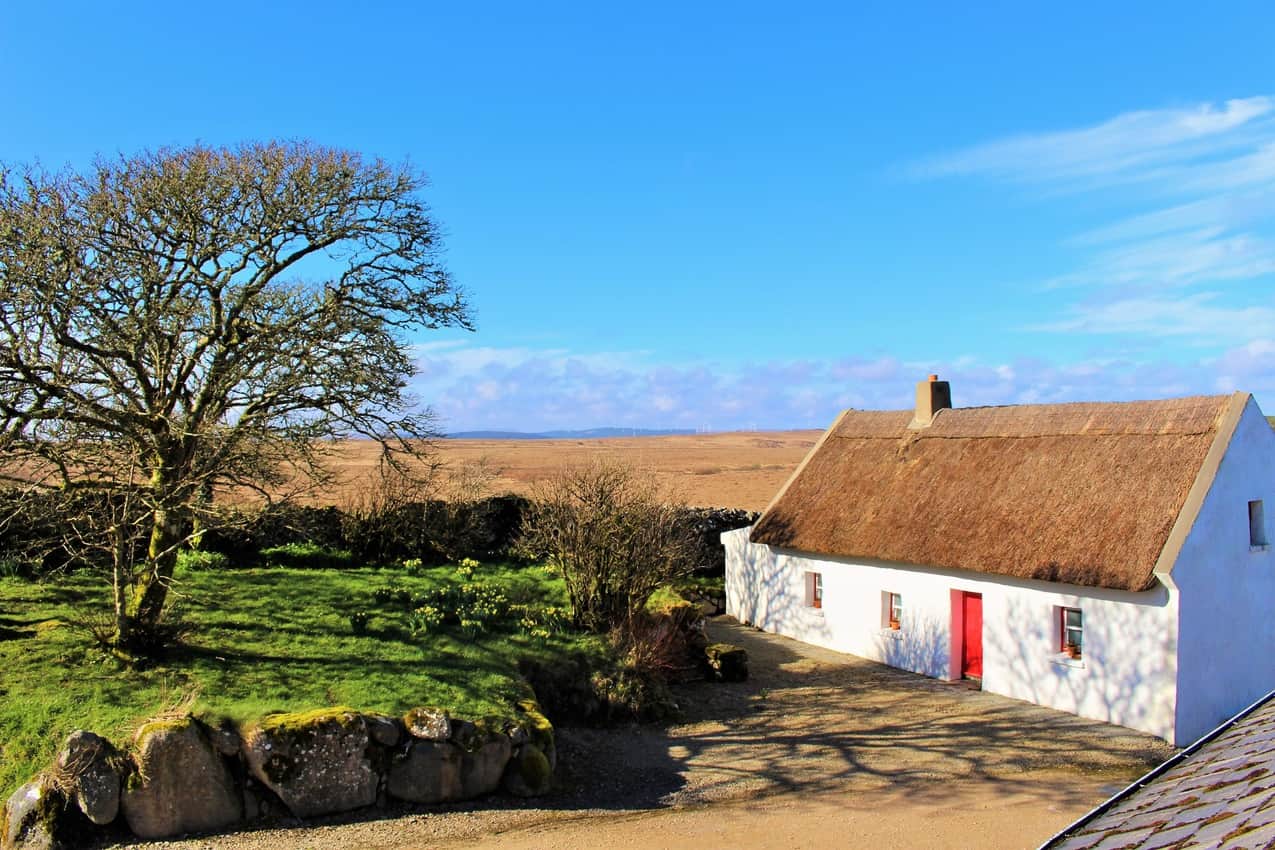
{"x": 742, "y": 469}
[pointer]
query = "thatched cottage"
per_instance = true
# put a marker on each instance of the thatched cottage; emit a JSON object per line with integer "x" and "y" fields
{"x": 1106, "y": 559}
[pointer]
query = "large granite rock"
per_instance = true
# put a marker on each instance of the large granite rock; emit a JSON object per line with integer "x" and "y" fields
{"x": 27, "y": 818}
{"x": 317, "y": 762}
{"x": 428, "y": 772}
{"x": 87, "y": 763}
{"x": 482, "y": 768}
{"x": 182, "y": 783}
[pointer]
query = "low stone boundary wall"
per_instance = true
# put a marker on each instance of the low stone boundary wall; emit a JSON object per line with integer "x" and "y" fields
{"x": 180, "y": 775}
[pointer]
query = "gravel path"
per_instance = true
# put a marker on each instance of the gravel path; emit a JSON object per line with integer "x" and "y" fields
{"x": 830, "y": 740}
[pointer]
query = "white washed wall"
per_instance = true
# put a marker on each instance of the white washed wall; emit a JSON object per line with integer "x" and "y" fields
{"x": 1227, "y": 635}
{"x": 1128, "y": 675}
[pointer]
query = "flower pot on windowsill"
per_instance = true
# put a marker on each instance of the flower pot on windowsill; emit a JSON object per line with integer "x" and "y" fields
{"x": 1071, "y": 650}
{"x": 894, "y": 624}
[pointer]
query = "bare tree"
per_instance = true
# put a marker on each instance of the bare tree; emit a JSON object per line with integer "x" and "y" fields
{"x": 191, "y": 318}
{"x": 616, "y": 536}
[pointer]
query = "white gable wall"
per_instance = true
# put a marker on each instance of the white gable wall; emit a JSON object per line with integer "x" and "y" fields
{"x": 1227, "y": 632}
{"x": 1128, "y": 675}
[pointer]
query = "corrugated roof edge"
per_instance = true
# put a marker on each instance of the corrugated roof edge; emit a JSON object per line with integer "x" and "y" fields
{"x": 1155, "y": 773}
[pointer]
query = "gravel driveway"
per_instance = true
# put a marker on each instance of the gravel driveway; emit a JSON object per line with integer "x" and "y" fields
{"x": 829, "y": 726}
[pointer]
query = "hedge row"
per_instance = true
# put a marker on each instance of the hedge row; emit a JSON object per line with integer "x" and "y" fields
{"x": 434, "y": 531}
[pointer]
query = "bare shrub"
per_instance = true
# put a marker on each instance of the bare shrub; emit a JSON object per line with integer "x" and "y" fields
{"x": 616, "y": 536}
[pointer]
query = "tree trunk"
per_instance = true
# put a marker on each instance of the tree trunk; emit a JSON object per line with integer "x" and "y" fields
{"x": 203, "y": 504}
{"x": 147, "y": 606}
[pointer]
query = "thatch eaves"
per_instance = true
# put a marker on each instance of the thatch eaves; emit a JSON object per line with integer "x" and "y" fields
{"x": 1086, "y": 494}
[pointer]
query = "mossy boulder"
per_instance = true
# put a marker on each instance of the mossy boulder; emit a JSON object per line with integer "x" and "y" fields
{"x": 181, "y": 782}
{"x": 40, "y": 816}
{"x": 528, "y": 773}
{"x": 726, "y": 662}
{"x": 539, "y": 730}
{"x": 317, "y": 762}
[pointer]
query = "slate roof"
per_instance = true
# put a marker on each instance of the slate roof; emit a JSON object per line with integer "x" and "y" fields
{"x": 1086, "y": 494}
{"x": 1218, "y": 793}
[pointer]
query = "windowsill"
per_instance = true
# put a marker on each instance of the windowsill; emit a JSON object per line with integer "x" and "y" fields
{"x": 1264, "y": 547}
{"x": 892, "y": 634}
{"x": 1061, "y": 660}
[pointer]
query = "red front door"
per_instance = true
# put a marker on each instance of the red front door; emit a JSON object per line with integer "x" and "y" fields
{"x": 972, "y": 642}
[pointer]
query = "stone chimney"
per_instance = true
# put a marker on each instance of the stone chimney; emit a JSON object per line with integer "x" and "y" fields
{"x": 931, "y": 397}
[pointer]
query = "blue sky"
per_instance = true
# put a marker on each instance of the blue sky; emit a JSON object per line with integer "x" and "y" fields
{"x": 744, "y": 215}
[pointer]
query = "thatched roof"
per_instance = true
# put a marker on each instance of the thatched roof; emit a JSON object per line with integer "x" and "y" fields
{"x": 1085, "y": 494}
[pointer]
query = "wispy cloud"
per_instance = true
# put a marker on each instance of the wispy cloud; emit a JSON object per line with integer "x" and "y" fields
{"x": 1197, "y": 317}
{"x": 1176, "y": 259}
{"x": 1117, "y": 148}
{"x": 1197, "y": 260}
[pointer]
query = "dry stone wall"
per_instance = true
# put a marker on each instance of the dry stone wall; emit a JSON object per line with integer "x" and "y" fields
{"x": 180, "y": 775}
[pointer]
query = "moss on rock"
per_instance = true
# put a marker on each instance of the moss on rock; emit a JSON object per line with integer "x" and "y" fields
{"x": 537, "y": 725}
{"x": 317, "y": 762}
{"x": 305, "y": 722}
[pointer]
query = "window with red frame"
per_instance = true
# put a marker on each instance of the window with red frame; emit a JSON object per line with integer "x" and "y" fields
{"x": 814, "y": 590}
{"x": 1072, "y": 631}
{"x": 894, "y": 607}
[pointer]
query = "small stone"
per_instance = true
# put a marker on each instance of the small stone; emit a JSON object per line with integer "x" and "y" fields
{"x": 225, "y": 738}
{"x": 726, "y": 662}
{"x": 428, "y": 724}
{"x": 383, "y": 730}
{"x": 465, "y": 734}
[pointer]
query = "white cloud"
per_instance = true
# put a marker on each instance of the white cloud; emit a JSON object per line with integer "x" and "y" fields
{"x": 1198, "y": 317}
{"x": 1197, "y": 260}
{"x": 1177, "y": 259}
{"x": 1123, "y": 145}
{"x": 526, "y": 390}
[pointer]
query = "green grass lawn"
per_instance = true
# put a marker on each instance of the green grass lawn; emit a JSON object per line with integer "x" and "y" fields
{"x": 262, "y": 640}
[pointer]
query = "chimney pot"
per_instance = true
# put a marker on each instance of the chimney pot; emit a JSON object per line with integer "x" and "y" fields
{"x": 932, "y": 396}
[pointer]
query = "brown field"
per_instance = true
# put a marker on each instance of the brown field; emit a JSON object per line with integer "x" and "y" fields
{"x": 737, "y": 470}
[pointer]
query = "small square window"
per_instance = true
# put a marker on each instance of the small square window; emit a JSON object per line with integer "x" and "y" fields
{"x": 814, "y": 590}
{"x": 1256, "y": 523}
{"x": 1072, "y": 631}
{"x": 891, "y": 610}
